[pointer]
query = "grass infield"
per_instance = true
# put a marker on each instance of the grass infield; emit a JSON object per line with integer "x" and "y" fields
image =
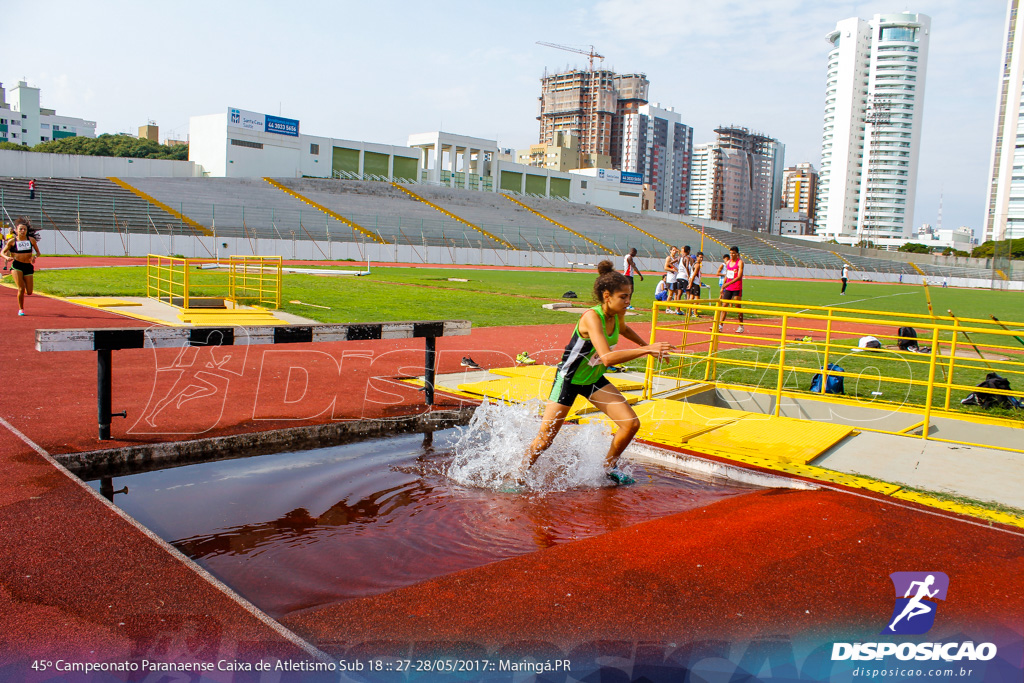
{"x": 499, "y": 297}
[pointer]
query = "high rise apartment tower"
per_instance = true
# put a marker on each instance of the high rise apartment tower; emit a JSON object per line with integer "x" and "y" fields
{"x": 1004, "y": 203}
{"x": 800, "y": 189}
{"x": 737, "y": 179}
{"x": 874, "y": 96}
{"x": 656, "y": 143}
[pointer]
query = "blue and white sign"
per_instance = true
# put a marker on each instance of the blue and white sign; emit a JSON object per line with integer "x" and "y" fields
{"x": 608, "y": 174}
{"x": 630, "y": 178}
{"x": 276, "y": 124}
{"x": 249, "y": 120}
{"x": 262, "y": 123}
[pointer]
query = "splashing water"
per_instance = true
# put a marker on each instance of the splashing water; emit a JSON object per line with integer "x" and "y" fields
{"x": 490, "y": 450}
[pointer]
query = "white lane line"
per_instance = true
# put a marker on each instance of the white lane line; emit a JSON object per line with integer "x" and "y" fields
{"x": 36, "y": 447}
{"x": 857, "y": 301}
{"x": 252, "y": 609}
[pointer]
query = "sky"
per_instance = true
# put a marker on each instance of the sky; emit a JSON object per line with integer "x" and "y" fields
{"x": 380, "y": 71}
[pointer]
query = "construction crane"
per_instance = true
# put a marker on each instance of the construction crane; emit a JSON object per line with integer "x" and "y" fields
{"x": 589, "y": 53}
{"x": 589, "y": 93}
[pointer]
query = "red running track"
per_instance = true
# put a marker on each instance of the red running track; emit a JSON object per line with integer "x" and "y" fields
{"x": 77, "y": 580}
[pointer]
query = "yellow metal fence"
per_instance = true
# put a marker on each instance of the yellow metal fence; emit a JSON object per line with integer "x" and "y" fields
{"x": 783, "y": 346}
{"x": 185, "y": 282}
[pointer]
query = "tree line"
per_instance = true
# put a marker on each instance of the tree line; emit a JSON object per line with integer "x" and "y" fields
{"x": 107, "y": 145}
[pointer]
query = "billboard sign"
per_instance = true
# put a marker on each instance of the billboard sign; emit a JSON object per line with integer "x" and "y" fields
{"x": 630, "y": 178}
{"x": 265, "y": 123}
{"x": 276, "y": 124}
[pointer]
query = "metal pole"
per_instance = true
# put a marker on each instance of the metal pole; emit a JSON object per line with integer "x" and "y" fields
{"x": 103, "y": 381}
{"x": 782, "y": 366}
{"x": 931, "y": 381}
{"x": 430, "y": 370}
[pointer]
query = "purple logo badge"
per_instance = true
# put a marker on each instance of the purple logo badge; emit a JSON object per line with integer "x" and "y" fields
{"x": 914, "y": 612}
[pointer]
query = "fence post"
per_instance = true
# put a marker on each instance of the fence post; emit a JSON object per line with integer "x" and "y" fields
{"x": 952, "y": 357}
{"x": 931, "y": 381}
{"x": 649, "y": 370}
{"x": 185, "y": 294}
{"x": 782, "y": 365}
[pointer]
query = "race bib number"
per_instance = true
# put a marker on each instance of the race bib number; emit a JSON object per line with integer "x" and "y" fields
{"x": 23, "y": 245}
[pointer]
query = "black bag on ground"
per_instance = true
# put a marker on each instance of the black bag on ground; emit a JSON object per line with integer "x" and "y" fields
{"x": 907, "y": 339}
{"x": 986, "y": 400}
{"x": 569, "y": 295}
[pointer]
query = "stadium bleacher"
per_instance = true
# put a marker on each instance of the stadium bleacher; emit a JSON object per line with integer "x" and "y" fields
{"x": 70, "y": 204}
{"x": 253, "y": 208}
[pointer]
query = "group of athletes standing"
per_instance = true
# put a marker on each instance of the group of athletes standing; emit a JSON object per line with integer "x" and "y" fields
{"x": 682, "y": 278}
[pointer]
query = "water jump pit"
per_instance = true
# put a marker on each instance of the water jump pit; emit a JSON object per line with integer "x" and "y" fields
{"x": 403, "y": 559}
{"x": 293, "y": 532}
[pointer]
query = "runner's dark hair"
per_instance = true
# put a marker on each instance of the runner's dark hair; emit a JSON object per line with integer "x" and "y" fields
{"x": 32, "y": 232}
{"x": 608, "y": 280}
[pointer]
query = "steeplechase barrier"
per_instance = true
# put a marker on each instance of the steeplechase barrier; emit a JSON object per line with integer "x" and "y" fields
{"x": 104, "y": 341}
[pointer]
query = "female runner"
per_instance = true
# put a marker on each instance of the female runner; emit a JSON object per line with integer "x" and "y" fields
{"x": 581, "y": 372}
{"x": 19, "y": 250}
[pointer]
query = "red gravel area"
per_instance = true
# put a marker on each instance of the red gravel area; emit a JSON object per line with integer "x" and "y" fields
{"x": 813, "y": 563}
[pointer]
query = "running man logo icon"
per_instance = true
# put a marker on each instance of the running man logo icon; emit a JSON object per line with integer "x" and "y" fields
{"x": 914, "y": 612}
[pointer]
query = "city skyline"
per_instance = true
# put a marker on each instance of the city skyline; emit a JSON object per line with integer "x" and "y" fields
{"x": 379, "y": 73}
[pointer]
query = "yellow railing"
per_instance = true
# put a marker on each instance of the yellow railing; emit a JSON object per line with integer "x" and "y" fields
{"x": 167, "y": 279}
{"x": 783, "y": 345}
{"x": 182, "y": 281}
{"x": 255, "y": 278}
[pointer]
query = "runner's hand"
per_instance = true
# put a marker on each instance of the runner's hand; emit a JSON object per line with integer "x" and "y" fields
{"x": 660, "y": 349}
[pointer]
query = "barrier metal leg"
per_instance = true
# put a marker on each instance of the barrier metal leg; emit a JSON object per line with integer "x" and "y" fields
{"x": 103, "y": 392}
{"x": 430, "y": 370}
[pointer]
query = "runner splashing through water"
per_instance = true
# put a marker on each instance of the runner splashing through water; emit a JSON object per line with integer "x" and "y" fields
{"x": 581, "y": 373}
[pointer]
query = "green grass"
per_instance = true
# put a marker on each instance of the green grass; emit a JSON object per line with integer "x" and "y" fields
{"x": 874, "y": 372}
{"x": 501, "y": 297}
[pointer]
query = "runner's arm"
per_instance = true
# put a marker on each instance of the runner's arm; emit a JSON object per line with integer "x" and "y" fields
{"x": 591, "y": 324}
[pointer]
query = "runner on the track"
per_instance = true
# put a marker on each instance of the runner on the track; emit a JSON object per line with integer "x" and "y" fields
{"x": 19, "y": 251}
{"x": 629, "y": 267}
{"x": 732, "y": 289}
{"x": 915, "y": 607}
{"x": 581, "y": 372}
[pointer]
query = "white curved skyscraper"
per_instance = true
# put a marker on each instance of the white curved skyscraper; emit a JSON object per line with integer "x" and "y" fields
{"x": 874, "y": 97}
{"x": 1004, "y": 214}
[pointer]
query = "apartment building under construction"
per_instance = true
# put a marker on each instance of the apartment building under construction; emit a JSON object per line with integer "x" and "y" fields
{"x": 590, "y": 105}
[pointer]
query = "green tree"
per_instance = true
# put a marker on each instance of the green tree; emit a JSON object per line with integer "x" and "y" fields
{"x": 916, "y": 248}
{"x": 13, "y": 145}
{"x": 107, "y": 145}
{"x": 1015, "y": 249}
{"x": 950, "y": 251}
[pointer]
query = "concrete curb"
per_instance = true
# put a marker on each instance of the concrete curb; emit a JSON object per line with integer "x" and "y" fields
{"x": 133, "y": 459}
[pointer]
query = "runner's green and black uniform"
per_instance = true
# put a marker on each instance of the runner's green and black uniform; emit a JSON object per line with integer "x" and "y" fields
{"x": 578, "y": 373}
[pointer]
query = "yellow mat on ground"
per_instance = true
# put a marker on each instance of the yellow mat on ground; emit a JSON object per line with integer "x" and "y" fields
{"x": 230, "y": 317}
{"x": 676, "y": 422}
{"x": 785, "y": 439}
{"x": 103, "y": 301}
{"x": 547, "y": 373}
